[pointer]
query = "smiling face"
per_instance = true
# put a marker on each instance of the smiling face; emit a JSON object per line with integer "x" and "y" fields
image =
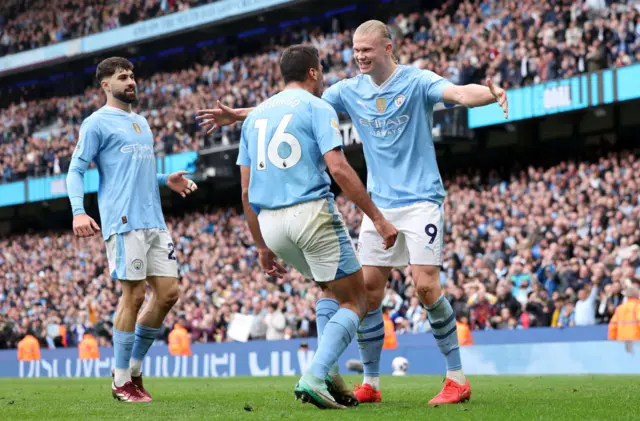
{"x": 372, "y": 47}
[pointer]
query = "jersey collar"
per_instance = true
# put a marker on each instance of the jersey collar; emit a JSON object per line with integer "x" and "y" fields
{"x": 118, "y": 110}
{"x": 389, "y": 79}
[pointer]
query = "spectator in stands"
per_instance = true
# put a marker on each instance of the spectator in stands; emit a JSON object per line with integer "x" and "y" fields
{"x": 567, "y": 315}
{"x": 276, "y": 323}
{"x": 585, "y": 308}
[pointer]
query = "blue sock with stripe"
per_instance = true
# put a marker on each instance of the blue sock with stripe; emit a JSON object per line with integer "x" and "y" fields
{"x": 370, "y": 341}
{"x": 443, "y": 323}
{"x": 338, "y": 334}
{"x": 326, "y": 308}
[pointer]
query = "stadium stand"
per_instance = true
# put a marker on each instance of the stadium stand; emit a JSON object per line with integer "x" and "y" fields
{"x": 515, "y": 44}
{"x": 26, "y": 25}
{"x": 544, "y": 247}
{"x": 551, "y": 246}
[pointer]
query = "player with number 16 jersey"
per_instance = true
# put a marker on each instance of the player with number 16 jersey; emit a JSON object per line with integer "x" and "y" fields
{"x": 287, "y": 145}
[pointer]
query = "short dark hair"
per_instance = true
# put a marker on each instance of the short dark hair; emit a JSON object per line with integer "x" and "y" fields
{"x": 108, "y": 67}
{"x": 296, "y": 62}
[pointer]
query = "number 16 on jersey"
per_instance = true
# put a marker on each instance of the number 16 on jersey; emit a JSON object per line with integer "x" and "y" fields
{"x": 273, "y": 151}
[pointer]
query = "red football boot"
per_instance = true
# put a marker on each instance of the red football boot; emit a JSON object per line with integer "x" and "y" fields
{"x": 452, "y": 392}
{"x": 367, "y": 394}
{"x": 138, "y": 382}
{"x": 128, "y": 392}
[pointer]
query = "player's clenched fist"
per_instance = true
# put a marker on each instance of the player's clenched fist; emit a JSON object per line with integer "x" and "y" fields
{"x": 387, "y": 231}
{"x": 85, "y": 226}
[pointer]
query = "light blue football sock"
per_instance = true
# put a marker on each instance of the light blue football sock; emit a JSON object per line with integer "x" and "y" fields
{"x": 337, "y": 335}
{"x": 443, "y": 324}
{"x": 325, "y": 309}
{"x": 370, "y": 341}
{"x": 145, "y": 336}
{"x": 122, "y": 347}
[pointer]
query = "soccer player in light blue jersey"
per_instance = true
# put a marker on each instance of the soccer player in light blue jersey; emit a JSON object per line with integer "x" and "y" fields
{"x": 139, "y": 247}
{"x": 287, "y": 144}
{"x": 391, "y": 108}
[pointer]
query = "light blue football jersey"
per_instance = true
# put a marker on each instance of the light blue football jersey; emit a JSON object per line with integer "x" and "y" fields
{"x": 283, "y": 142}
{"x": 394, "y": 122}
{"x": 121, "y": 145}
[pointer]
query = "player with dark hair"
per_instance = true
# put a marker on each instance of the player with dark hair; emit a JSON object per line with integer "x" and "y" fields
{"x": 391, "y": 106}
{"x": 139, "y": 247}
{"x": 287, "y": 144}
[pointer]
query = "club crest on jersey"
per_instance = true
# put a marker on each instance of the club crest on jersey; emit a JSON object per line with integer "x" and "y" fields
{"x": 399, "y": 100}
{"x": 137, "y": 128}
{"x": 336, "y": 126}
{"x": 136, "y": 264}
{"x": 381, "y": 104}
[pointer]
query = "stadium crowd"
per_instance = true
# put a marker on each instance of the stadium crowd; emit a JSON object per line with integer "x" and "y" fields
{"x": 545, "y": 247}
{"x": 513, "y": 43}
{"x": 26, "y": 25}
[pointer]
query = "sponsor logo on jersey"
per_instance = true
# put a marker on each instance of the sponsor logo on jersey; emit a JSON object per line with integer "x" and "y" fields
{"x": 399, "y": 100}
{"x": 137, "y": 128}
{"x": 139, "y": 151}
{"x": 381, "y": 104}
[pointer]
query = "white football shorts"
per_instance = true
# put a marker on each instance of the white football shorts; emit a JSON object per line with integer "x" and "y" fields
{"x": 134, "y": 255}
{"x": 312, "y": 237}
{"x": 419, "y": 240}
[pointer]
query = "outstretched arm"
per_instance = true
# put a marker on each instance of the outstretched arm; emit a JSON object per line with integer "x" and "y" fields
{"x": 476, "y": 96}
{"x": 214, "y": 118}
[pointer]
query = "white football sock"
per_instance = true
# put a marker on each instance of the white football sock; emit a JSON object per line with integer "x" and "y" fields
{"x": 457, "y": 376}
{"x": 136, "y": 367}
{"x": 372, "y": 381}
{"x": 122, "y": 375}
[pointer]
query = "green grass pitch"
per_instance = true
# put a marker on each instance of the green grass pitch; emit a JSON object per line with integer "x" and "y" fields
{"x": 554, "y": 398}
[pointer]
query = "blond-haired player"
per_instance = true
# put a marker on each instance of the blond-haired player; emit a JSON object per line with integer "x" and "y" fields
{"x": 391, "y": 107}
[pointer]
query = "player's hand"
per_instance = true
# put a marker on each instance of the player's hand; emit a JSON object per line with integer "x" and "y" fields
{"x": 180, "y": 184}
{"x": 387, "y": 231}
{"x": 85, "y": 226}
{"x": 501, "y": 97}
{"x": 269, "y": 263}
{"x": 217, "y": 117}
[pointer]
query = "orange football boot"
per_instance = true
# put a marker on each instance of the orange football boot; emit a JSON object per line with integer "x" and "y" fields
{"x": 367, "y": 394}
{"x": 452, "y": 392}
